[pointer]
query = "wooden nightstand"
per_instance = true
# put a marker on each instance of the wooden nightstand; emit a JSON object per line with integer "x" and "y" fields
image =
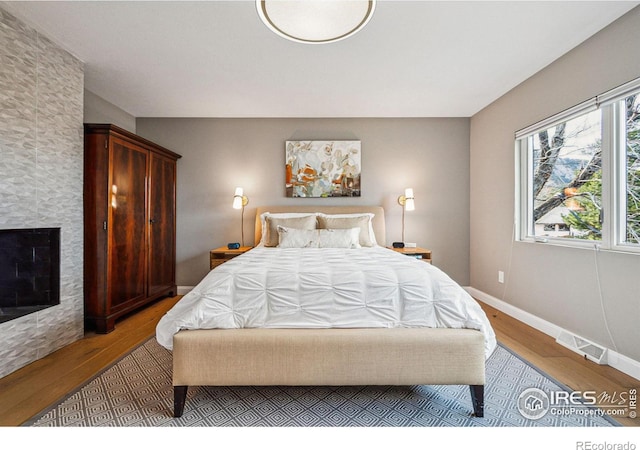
{"x": 221, "y": 255}
{"x": 416, "y": 252}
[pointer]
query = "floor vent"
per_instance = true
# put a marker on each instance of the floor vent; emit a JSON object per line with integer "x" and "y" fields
{"x": 589, "y": 350}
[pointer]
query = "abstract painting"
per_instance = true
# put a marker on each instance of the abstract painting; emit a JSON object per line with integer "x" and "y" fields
{"x": 323, "y": 168}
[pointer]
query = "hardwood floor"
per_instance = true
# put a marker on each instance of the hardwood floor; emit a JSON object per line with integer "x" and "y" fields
{"x": 560, "y": 363}
{"x": 26, "y": 392}
{"x": 33, "y": 388}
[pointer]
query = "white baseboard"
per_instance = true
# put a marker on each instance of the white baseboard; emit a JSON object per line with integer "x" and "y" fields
{"x": 184, "y": 289}
{"x": 614, "y": 359}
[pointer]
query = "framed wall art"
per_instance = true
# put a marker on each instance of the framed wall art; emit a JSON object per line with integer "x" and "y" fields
{"x": 323, "y": 168}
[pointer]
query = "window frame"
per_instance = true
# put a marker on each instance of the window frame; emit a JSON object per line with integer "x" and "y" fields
{"x": 614, "y": 173}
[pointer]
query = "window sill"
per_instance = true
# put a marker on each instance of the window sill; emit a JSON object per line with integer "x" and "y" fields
{"x": 627, "y": 249}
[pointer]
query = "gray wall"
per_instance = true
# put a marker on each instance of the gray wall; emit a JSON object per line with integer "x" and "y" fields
{"x": 554, "y": 283}
{"x": 98, "y": 110}
{"x": 41, "y": 167}
{"x": 429, "y": 155}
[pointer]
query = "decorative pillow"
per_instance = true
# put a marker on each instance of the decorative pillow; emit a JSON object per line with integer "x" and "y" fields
{"x": 341, "y": 238}
{"x": 297, "y": 238}
{"x": 342, "y": 221}
{"x": 263, "y": 220}
{"x": 271, "y": 239}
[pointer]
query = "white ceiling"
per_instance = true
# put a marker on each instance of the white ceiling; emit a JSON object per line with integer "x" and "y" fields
{"x": 217, "y": 59}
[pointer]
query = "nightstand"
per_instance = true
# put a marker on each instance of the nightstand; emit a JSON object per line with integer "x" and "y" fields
{"x": 221, "y": 255}
{"x": 415, "y": 252}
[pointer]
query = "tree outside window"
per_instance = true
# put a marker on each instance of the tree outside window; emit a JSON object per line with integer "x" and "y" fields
{"x": 567, "y": 188}
{"x": 632, "y": 150}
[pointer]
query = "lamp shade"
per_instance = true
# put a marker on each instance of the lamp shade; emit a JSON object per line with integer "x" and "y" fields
{"x": 409, "y": 204}
{"x": 237, "y": 198}
{"x": 315, "y": 21}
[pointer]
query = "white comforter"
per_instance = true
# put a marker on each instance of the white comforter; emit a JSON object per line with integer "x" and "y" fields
{"x": 325, "y": 288}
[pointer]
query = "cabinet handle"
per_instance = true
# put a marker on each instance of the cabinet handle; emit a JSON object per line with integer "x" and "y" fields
{"x": 152, "y": 220}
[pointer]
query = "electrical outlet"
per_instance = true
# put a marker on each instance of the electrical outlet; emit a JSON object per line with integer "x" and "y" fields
{"x": 500, "y": 276}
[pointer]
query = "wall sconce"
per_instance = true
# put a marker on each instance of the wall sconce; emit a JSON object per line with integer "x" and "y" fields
{"x": 239, "y": 202}
{"x": 407, "y": 202}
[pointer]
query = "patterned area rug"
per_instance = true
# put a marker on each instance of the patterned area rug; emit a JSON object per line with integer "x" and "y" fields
{"x": 137, "y": 392}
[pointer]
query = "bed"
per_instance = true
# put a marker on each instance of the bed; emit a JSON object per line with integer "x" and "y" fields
{"x": 330, "y": 307}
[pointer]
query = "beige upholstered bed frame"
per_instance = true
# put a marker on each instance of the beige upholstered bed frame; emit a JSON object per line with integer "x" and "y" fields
{"x": 328, "y": 357}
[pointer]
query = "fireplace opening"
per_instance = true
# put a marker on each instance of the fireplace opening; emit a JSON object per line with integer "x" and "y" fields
{"x": 29, "y": 271}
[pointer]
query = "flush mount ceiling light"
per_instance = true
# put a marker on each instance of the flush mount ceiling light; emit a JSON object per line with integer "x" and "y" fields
{"x": 315, "y": 21}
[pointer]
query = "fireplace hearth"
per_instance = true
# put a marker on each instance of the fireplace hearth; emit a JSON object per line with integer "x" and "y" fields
{"x": 29, "y": 271}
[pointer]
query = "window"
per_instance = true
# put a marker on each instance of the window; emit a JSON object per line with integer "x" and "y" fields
{"x": 631, "y": 109}
{"x": 578, "y": 174}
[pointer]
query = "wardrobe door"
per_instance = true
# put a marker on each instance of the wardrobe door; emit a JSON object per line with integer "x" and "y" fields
{"x": 127, "y": 273}
{"x": 162, "y": 220}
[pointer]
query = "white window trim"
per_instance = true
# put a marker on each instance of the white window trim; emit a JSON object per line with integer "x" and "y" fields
{"x": 575, "y": 111}
{"x": 614, "y": 175}
{"x": 608, "y": 145}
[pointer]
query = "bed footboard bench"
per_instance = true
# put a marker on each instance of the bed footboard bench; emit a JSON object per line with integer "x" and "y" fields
{"x": 329, "y": 357}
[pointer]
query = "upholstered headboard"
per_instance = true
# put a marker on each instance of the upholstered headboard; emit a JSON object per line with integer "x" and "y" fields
{"x": 377, "y": 222}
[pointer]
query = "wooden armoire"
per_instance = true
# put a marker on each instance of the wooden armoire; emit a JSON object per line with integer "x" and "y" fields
{"x": 129, "y": 224}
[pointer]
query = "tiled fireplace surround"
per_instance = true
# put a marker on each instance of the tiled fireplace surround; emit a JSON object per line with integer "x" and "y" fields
{"x": 41, "y": 164}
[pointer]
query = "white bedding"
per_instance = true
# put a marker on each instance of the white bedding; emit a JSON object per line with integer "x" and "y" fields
{"x": 325, "y": 288}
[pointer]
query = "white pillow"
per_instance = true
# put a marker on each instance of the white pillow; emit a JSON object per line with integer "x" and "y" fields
{"x": 297, "y": 238}
{"x": 357, "y": 220}
{"x": 263, "y": 221}
{"x": 342, "y": 238}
